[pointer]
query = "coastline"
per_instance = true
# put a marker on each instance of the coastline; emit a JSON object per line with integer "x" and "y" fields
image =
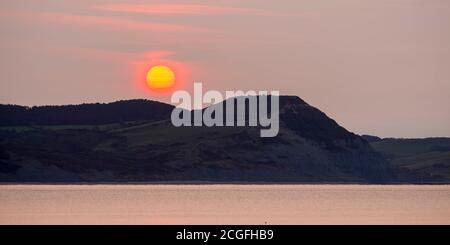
{"x": 219, "y": 183}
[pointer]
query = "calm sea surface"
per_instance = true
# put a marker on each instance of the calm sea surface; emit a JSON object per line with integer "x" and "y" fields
{"x": 224, "y": 204}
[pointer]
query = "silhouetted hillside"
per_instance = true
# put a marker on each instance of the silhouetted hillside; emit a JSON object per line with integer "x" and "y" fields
{"x": 424, "y": 158}
{"x": 135, "y": 141}
{"x": 84, "y": 114}
{"x": 371, "y": 138}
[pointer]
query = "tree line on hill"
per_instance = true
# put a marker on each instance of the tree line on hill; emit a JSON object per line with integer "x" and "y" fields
{"x": 84, "y": 114}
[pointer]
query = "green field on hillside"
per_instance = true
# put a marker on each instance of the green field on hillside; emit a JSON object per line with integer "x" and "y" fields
{"x": 428, "y": 157}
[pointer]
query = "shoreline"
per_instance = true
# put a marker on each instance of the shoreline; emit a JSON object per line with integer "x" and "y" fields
{"x": 218, "y": 183}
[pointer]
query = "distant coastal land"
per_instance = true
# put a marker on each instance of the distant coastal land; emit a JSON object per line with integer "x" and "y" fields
{"x": 133, "y": 141}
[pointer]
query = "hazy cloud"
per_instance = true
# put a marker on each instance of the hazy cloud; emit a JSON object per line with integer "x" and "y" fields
{"x": 182, "y": 9}
{"x": 109, "y": 22}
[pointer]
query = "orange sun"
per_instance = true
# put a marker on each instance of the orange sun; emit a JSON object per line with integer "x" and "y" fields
{"x": 160, "y": 77}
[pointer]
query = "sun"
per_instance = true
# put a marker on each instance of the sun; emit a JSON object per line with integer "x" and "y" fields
{"x": 160, "y": 77}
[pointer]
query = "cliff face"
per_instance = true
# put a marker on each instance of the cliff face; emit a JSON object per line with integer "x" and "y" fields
{"x": 310, "y": 147}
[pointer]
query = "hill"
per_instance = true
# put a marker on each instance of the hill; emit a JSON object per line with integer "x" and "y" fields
{"x": 84, "y": 114}
{"x": 142, "y": 145}
{"x": 425, "y": 158}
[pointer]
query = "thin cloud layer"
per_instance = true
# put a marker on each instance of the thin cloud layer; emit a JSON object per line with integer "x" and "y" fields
{"x": 109, "y": 22}
{"x": 182, "y": 9}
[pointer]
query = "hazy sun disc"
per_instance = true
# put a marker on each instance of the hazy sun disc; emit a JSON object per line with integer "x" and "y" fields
{"x": 160, "y": 77}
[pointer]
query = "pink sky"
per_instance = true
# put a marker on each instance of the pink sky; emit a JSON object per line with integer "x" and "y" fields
{"x": 378, "y": 67}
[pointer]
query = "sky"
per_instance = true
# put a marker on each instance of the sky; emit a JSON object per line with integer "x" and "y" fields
{"x": 378, "y": 67}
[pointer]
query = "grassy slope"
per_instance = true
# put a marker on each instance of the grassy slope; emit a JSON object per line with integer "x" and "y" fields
{"x": 430, "y": 156}
{"x": 164, "y": 133}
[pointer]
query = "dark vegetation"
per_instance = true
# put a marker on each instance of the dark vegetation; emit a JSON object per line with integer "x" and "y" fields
{"x": 84, "y": 114}
{"x": 429, "y": 157}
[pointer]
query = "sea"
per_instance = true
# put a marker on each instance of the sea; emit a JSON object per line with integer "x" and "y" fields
{"x": 224, "y": 204}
